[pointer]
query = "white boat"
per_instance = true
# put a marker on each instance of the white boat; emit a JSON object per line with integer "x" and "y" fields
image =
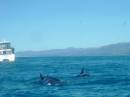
{"x": 6, "y": 52}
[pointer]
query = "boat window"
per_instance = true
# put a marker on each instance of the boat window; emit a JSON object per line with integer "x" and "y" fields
{"x": 4, "y": 52}
{"x": 4, "y": 45}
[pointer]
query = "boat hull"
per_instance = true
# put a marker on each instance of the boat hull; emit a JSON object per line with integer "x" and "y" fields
{"x": 10, "y": 58}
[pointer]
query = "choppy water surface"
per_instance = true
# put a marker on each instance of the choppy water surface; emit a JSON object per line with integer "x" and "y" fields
{"x": 109, "y": 77}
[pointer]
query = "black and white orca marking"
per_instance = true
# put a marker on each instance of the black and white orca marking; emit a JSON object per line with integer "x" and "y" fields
{"x": 49, "y": 80}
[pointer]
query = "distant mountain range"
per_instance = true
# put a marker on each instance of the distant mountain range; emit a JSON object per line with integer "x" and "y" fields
{"x": 119, "y": 49}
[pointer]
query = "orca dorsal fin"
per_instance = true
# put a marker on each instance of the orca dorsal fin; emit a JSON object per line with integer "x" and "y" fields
{"x": 41, "y": 76}
{"x": 82, "y": 71}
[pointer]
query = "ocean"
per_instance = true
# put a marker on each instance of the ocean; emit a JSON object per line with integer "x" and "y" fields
{"x": 108, "y": 77}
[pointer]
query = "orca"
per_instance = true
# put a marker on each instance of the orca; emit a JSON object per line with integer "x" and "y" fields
{"x": 49, "y": 80}
{"x": 82, "y": 73}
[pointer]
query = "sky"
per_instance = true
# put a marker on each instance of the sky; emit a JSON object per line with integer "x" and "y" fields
{"x": 56, "y": 24}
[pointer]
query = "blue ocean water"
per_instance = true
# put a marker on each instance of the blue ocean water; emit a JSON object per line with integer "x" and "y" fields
{"x": 109, "y": 77}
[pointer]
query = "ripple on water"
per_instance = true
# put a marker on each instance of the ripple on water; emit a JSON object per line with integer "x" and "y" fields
{"x": 109, "y": 77}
